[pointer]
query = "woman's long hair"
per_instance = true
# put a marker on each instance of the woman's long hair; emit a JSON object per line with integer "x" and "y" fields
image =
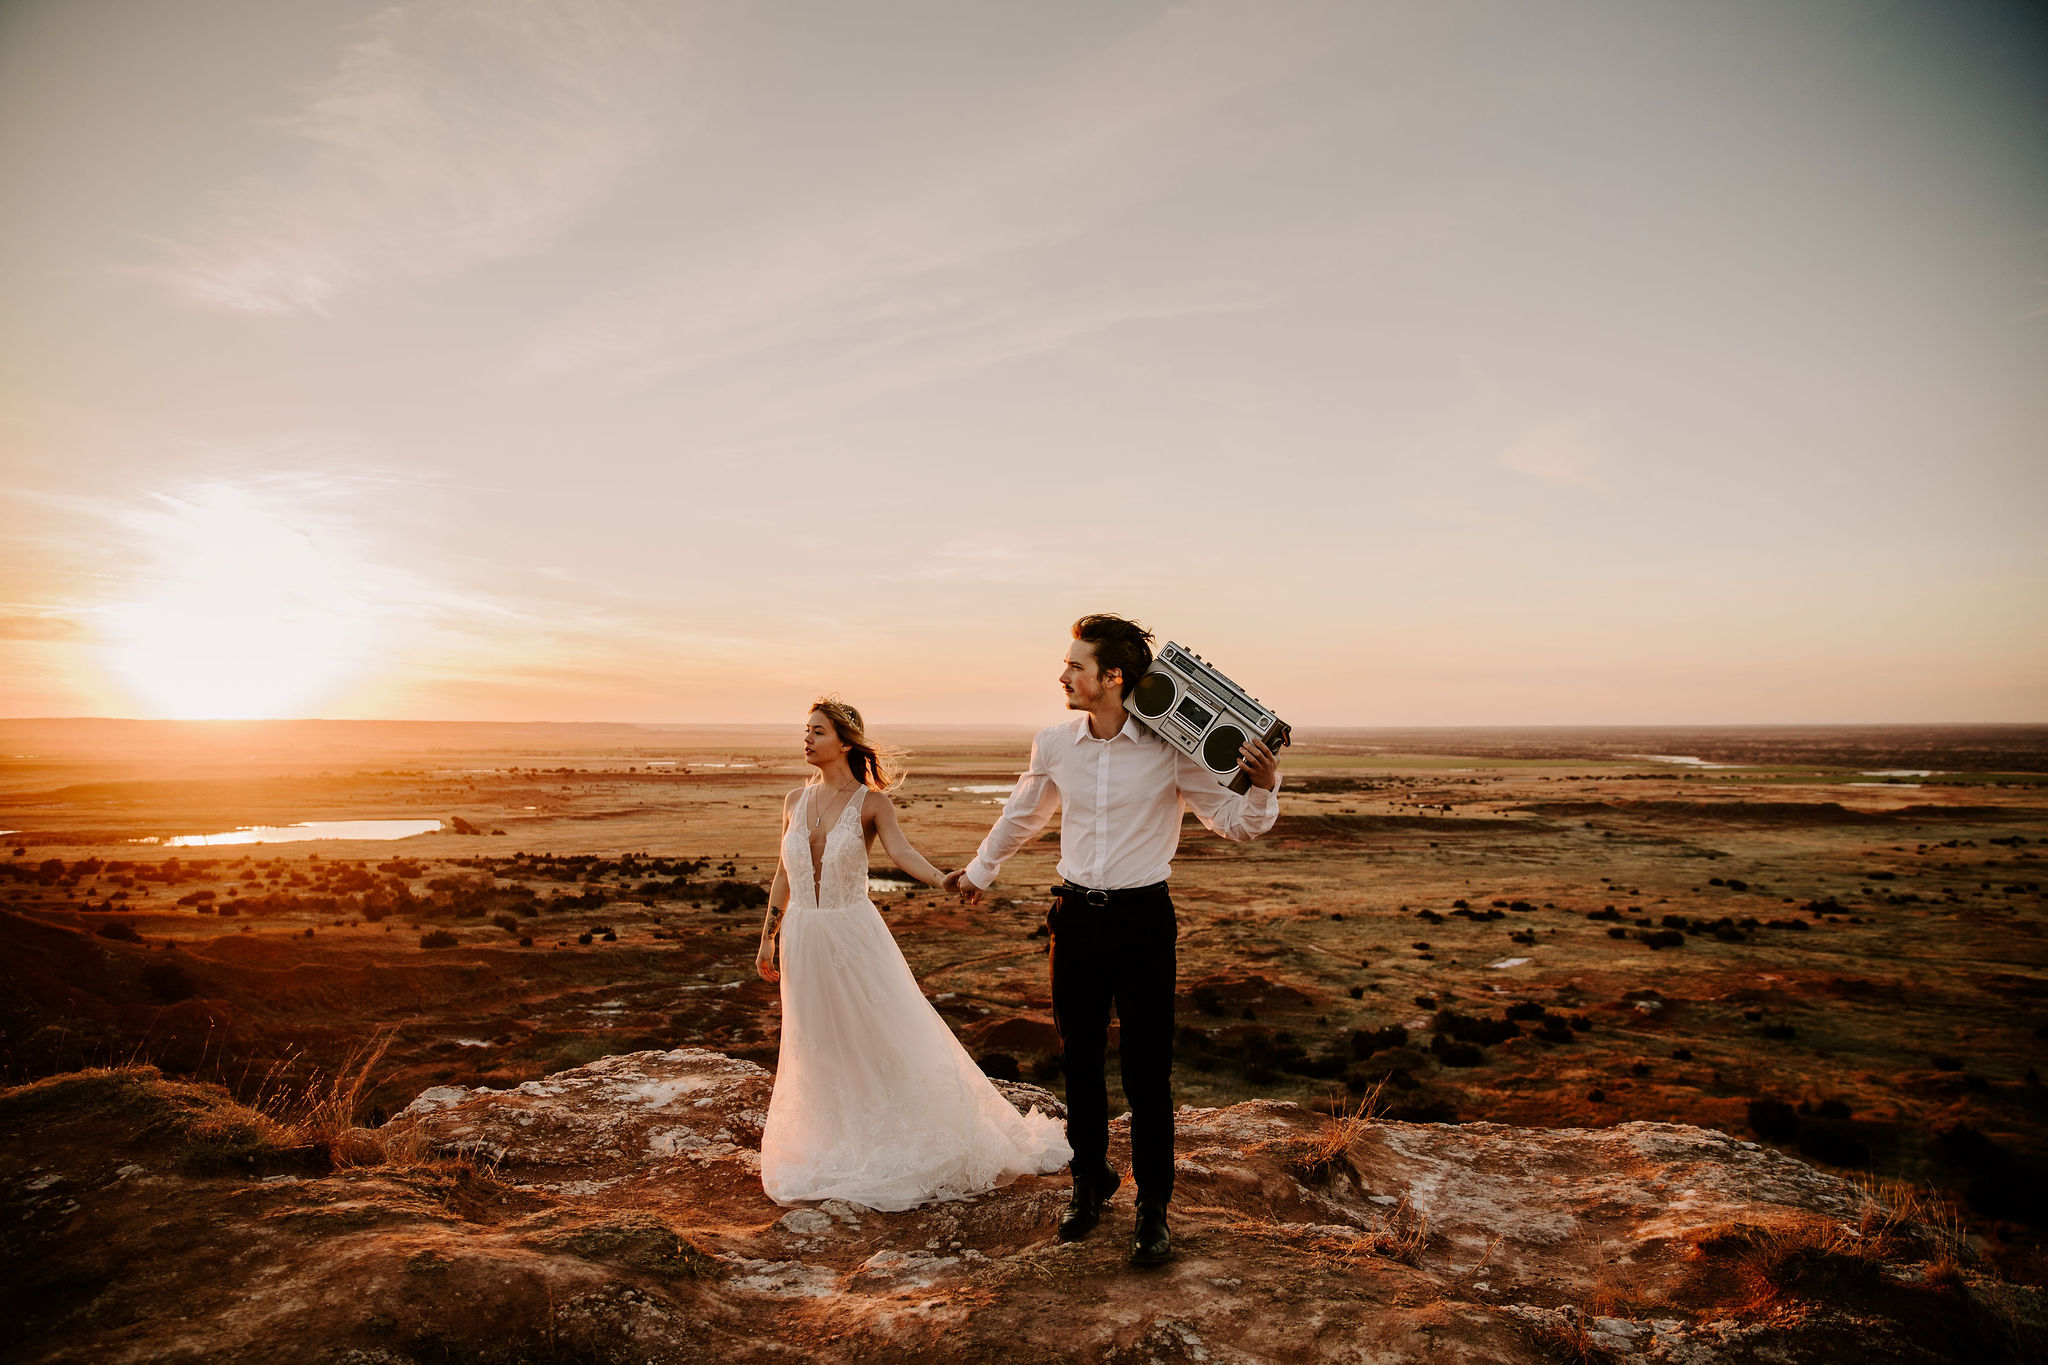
{"x": 873, "y": 765}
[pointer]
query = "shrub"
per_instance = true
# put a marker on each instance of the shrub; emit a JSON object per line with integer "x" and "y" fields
{"x": 1773, "y": 1119}
{"x": 727, "y": 896}
{"x": 119, "y": 929}
{"x": 1365, "y": 1042}
{"x": 1473, "y": 1029}
{"x": 438, "y": 938}
{"x": 1424, "y": 1108}
{"x": 1832, "y": 1142}
{"x": 1453, "y": 1053}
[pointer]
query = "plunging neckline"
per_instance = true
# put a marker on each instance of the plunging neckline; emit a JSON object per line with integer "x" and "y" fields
{"x": 818, "y": 853}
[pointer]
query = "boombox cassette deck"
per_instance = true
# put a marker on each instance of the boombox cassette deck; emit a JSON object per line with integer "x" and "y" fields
{"x": 1186, "y": 702}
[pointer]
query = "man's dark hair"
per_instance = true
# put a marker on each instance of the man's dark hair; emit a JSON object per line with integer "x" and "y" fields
{"x": 1123, "y": 645}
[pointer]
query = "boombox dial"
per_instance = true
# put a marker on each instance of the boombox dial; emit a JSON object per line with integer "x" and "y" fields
{"x": 1189, "y": 704}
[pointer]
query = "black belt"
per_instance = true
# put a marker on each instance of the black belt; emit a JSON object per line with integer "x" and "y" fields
{"x": 1089, "y": 895}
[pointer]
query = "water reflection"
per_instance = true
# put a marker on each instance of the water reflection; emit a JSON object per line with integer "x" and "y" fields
{"x": 1681, "y": 760}
{"x": 301, "y": 833}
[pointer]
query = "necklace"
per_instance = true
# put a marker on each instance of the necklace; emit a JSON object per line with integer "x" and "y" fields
{"x": 818, "y": 819}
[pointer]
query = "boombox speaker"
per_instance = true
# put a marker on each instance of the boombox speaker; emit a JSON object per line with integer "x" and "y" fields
{"x": 1187, "y": 703}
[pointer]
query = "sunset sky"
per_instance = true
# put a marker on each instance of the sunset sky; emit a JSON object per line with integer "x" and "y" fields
{"x": 1419, "y": 363}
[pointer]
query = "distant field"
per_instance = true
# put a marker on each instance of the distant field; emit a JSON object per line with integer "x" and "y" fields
{"x": 1526, "y": 927}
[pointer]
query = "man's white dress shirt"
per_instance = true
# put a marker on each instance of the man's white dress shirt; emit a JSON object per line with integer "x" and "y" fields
{"x": 1120, "y": 800}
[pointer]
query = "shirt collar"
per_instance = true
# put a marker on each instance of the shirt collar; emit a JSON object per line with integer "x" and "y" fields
{"x": 1131, "y": 731}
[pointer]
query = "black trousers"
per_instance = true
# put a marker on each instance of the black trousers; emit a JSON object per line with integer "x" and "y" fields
{"x": 1117, "y": 956}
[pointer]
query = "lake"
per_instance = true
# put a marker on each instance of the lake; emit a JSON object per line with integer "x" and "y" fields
{"x": 302, "y": 833}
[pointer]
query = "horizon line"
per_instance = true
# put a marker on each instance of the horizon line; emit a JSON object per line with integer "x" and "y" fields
{"x": 1026, "y": 725}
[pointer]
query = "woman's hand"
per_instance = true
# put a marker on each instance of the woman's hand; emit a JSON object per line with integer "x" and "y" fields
{"x": 764, "y": 960}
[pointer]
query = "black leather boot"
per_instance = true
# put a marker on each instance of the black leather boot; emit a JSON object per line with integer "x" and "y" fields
{"x": 1084, "y": 1210}
{"x": 1150, "y": 1244}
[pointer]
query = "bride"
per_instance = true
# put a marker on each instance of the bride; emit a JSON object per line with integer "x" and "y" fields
{"x": 875, "y": 1100}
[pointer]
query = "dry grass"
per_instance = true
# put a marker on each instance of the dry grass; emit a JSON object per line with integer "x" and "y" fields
{"x": 1797, "y": 1257}
{"x": 1907, "y": 1219}
{"x": 1567, "y": 1340}
{"x": 1618, "y": 1292}
{"x": 205, "y": 1130}
{"x": 1810, "y": 1256}
{"x": 310, "y": 1127}
{"x": 1317, "y": 1158}
{"x": 1806, "y": 1258}
{"x": 1401, "y": 1238}
{"x": 320, "y": 1119}
{"x": 323, "y": 1112}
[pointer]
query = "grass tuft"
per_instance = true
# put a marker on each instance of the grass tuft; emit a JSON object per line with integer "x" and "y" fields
{"x": 206, "y": 1131}
{"x": 1566, "y": 1340}
{"x": 1317, "y": 1158}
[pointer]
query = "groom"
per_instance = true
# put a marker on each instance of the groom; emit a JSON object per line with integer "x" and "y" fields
{"x": 1120, "y": 790}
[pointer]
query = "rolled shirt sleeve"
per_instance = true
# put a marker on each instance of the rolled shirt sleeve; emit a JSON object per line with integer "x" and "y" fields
{"x": 1233, "y": 815}
{"x": 1027, "y": 812}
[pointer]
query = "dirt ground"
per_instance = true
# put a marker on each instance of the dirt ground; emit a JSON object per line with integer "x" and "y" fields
{"x": 1830, "y": 940}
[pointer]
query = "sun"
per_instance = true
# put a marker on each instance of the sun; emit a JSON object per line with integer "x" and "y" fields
{"x": 246, "y": 615}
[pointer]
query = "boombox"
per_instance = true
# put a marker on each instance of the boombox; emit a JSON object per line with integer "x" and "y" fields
{"x": 1187, "y": 703}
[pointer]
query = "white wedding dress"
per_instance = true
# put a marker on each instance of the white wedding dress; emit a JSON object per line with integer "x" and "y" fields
{"x": 875, "y": 1100}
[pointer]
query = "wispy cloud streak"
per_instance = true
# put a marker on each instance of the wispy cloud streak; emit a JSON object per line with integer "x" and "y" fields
{"x": 964, "y": 261}
{"x": 451, "y": 134}
{"x": 1557, "y": 453}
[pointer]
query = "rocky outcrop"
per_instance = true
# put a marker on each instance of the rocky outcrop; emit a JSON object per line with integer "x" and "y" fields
{"x": 614, "y": 1213}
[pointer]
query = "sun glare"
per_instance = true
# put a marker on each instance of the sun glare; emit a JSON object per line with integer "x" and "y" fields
{"x": 248, "y": 617}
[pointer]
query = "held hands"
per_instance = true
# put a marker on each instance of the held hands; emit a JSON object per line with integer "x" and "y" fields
{"x": 958, "y": 883}
{"x": 1259, "y": 763}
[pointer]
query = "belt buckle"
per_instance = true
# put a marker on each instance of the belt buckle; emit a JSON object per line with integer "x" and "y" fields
{"x": 1098, "y": 899}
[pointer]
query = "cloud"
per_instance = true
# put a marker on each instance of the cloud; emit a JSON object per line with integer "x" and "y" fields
{"x": 958, "y": 256}
{"x": 38, "y": 625}
{"x": 451, "y": 134}
{"x": 1559, "y": 453}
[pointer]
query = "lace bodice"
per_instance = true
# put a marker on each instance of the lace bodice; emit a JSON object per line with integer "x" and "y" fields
{"x": 843, "y": 879}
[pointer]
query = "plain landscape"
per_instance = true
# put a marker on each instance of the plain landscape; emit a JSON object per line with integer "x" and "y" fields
{"x": 1824, "y": 940}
